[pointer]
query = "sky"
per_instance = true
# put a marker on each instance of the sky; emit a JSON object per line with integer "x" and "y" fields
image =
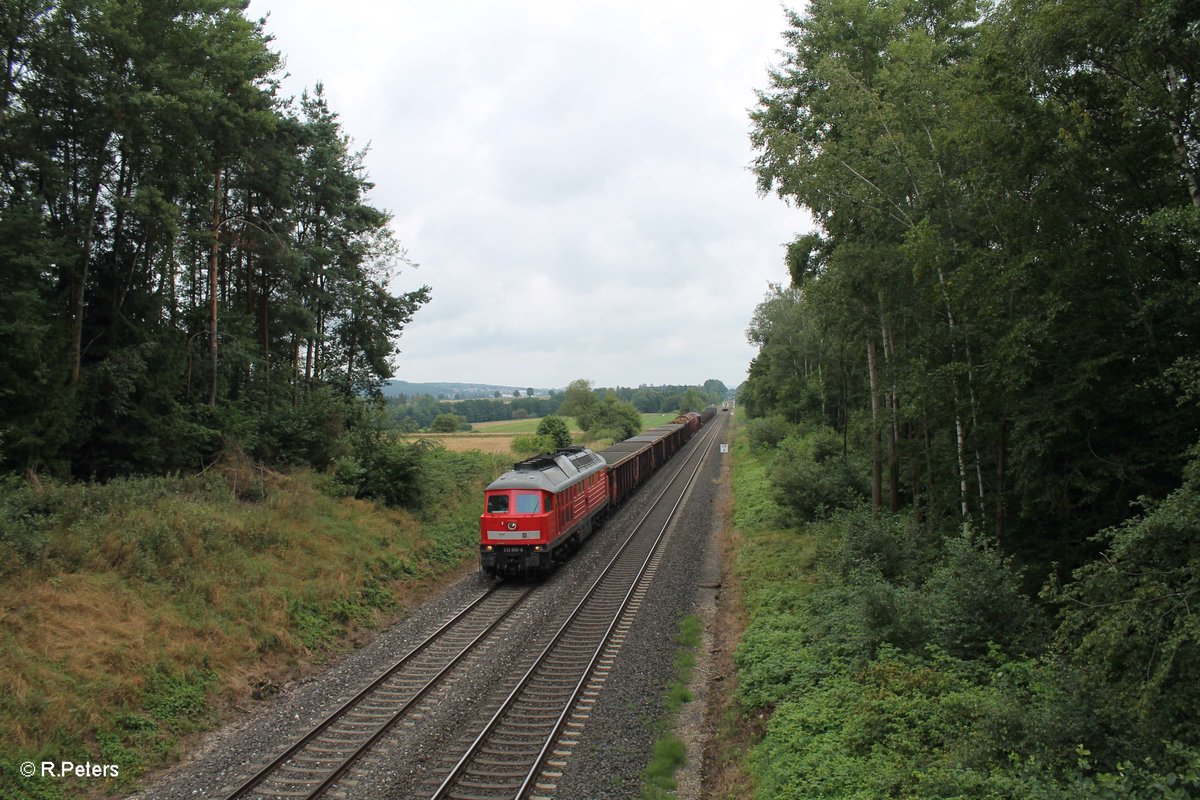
{"x": 571, "y": 179}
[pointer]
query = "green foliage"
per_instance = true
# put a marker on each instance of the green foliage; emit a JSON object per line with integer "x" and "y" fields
{"x": 766, "y": 433}
{"x": 178, "y": 699}
{"x": 895, "y": 665}
{"x": 556, "y": 428}
{"x": 973, "y": 600}
{"x": 386, "y": 470}
{"x": 122, "y": 123}
{"x": 578, "y": 399}
{"x": 446, "y": 423}
{"x": 812, "y": 477}
{"x": 1128, "y": 626}
{"x": 756, "y": 506}
{"x": 532, "y": 445}
{"x": 966, "y": 290}
{"x": 611, "y": 418}
{"x": 998, "y": 312}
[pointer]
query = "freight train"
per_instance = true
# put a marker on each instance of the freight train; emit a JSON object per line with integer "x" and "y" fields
{"x": 542, "y": 510}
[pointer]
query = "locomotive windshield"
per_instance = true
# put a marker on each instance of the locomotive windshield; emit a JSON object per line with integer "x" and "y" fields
{"x": 497, "y": 504}
{"x": 528, "y": 503}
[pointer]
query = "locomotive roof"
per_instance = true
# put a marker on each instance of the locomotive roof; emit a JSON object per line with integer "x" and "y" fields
{"x": 550, "y": 472}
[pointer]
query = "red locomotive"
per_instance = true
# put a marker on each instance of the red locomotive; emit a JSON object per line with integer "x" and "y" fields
{"x": 541, "y": 511}
{"x": 544, "y": 508}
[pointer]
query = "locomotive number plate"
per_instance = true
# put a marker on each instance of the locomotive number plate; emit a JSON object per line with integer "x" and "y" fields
{"x": 511, "y": 536}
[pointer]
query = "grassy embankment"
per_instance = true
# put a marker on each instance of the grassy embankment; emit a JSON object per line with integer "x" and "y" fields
{"x": 881, "y": 658}
{"x": 139, "y": 611}
{"x": 773, "y": 565}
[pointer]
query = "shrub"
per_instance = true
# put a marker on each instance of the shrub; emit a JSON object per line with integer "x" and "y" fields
{"x": 1129, "y": 623}
{"x": 811, "y": 477}
{"x": 556, "y": 428}
{"x": 611, "y": 418}
{"x": 386, "y": 470}
{"x": 973, "y": 598}
{"x": 446, "y": 423}
{"x": 855, "y": 540}
{"x": 766, "y": 433}
{"x": 532, "y": 444}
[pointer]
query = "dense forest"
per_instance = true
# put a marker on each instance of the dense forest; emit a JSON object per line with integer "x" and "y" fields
{"x": 190, "y": 259}
{"x": 982, "y": 380}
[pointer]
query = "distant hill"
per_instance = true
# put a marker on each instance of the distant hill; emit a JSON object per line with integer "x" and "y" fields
{"x": 452, "y": 391}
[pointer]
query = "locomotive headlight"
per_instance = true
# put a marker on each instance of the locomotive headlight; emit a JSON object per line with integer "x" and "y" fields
{"x": 489, "y": 548}
{"x": 538, "y": 548}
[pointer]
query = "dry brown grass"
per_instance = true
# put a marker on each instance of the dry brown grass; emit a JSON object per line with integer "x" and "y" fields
{"x": 462, "y": 442}
{"x": 152, "y": 580}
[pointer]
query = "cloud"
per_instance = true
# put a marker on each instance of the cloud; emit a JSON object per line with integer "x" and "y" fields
{"x": 571, "y": 179}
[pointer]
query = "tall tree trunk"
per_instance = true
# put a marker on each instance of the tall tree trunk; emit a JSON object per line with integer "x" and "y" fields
{"x": 876, "y": 438}
{"x": 960, "y": 440}
{"x": 124, "y": 191}
{"x": 214, "y": 266}
{"x": 893, "y": 442}
{"x": 960, "y": 435}
{"x": 264, "y": 316}
{"x": 1001, "y": 463}
{"x": 1175, "y": 88}
{"x": 79, "y": 283}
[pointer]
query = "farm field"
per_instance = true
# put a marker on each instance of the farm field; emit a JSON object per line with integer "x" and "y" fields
{"x": 496, "y": 437}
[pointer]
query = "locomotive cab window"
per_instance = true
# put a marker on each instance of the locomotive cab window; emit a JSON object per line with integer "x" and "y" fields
{"x": 497, "y": 504}
{"x": 528, "y": 503}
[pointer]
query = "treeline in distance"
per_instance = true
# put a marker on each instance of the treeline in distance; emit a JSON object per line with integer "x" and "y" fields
{"x": 419, "y": 411}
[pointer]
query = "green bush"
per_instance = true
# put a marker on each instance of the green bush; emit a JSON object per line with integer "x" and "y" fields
{"x": 556, "y": 428}
{"x": 973, "y": 598}
{"x": 812, "y": 477}
{"x": 765, "y": 433}
{"x": 386, "y": 470}
{"x": 611, "y": 418}
{"x": 446, "y": 423}
{"x": 532, "y": 444}
{"x": 856, "y": 539}
{"x": 1129, "y": 623}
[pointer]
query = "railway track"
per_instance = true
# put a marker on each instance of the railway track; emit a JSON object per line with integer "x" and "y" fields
{"x": 520, "y": 748}
{"x": 316, "y": 761}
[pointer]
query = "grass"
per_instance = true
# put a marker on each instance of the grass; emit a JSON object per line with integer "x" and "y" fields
{"x": 135, "y": 613}
{"x": 769, "y": 559}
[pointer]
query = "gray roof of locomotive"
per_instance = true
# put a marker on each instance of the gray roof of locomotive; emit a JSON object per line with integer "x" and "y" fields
{"x": 550, "y": 472}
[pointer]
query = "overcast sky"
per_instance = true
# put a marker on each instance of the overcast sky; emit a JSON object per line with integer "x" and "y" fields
{"x": 571, "y": 178}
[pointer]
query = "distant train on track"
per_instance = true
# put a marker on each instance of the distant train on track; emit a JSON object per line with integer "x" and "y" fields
{"x": 542, "y": 510}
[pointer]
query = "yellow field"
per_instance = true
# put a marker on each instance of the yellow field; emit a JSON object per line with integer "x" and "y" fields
{"x": 496, "y": 437}
{"x": 461, "y": 442}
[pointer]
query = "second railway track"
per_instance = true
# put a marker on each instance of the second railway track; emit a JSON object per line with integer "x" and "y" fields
{"x": 316, "y": 761}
